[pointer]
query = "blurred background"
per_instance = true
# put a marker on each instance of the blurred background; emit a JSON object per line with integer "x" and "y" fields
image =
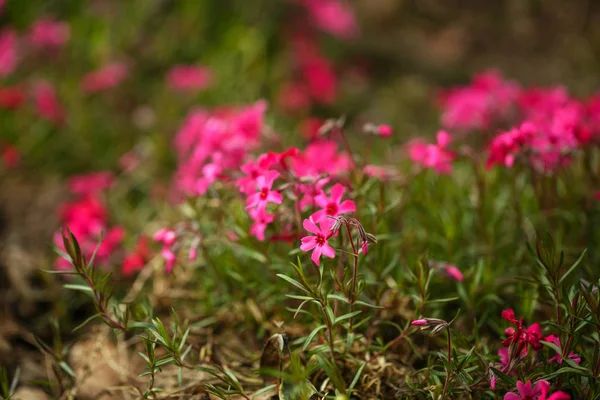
{"x": 104, "y": 85}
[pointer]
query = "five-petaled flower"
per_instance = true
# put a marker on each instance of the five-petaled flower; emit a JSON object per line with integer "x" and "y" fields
{"x": 333, "y": 206}
{"x": 318, "y": 243}
{"x": 265, "y": 194}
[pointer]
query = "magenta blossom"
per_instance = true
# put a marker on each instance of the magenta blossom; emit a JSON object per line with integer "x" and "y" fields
{"x": 105, "y": 78}
{"x": 333, "y": 206}
{"x": 265, "y": 194}
{"x": 558, "y": 357}
{"x": 92, "y": 183}
{"x": 539, "y": 391}
{"x": 435, "y": 156}
{"x": 47, "y": 104}
{"x": 188, "y": 78}
{"x": 261, "y": 219}
{"x": 48, "y": 33}
{"x": 318, "y": 243}
{"x": 8, "y": 52}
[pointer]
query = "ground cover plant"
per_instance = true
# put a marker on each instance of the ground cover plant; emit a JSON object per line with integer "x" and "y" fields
{"x": 211, "y": 243}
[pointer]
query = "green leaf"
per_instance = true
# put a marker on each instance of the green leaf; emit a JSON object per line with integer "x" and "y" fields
{"x": 346, "y": 316}
{"x": 572, "y": 268}
{"x": 362, "y": 303}
{"x": 86, "y": 321}
{"x": 337, "y": 297}
{"x": 82, "y": 288}
{"x": 312, "y": 335}
{"x": 293, "y": 282}
{"x": 66, "y": 368}
{"x": 356, "y": 376}
{"x": 263, "y": 390}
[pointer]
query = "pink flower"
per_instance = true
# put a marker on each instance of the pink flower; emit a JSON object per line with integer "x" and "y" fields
{"x": 47, "y": 104}
{"x": 10, "y": 156}
{"x": 333, "y": 206}
{"x": 332, "y": 16}
{"x": 91, "y": 184}
{"x": 136, "y": 260}
{"x": 261, "y": 219}
{"x": 384, "y": 130}
{"x": 527, "y": 391}
{"x": 168, "y": 238}
{"x": 265, "y": 195}
{"x": 8, "y": 52}
{"x": 87, "y": 218}
{"x": 453, "y": 272}
{"x": 318, "y": 243}
{"x": 558, "y": 357}
{"x": 11, "y": 97}
{"x": 49, "y": 33}
{"x": 293, "y": 97}
{"x": 188, "y": 78}
{"x": 419, "y": 322}
{"x": 521, "y": 335}
{"x": 435, "y": 156}
{"x": 479, "y": 105}
{"x": 105, "y": 78}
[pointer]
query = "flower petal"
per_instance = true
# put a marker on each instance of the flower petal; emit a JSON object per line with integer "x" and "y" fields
{"x": 346, "y": 207}
{"x": 308, "y": 243}
{"x": 337, "y": 191}
{"x": 309, "y": 225}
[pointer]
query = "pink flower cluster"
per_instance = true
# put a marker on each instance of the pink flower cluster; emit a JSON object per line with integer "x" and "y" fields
{"x": 548, "y": 125}
{"x": 210, "y": 144}
{"x": 481, "y": 105}
{"x": 88, "y": 219}
{"x": 539, "y": 391}
{"x": 435, "y": 156}
{"x": 520, "y": 339}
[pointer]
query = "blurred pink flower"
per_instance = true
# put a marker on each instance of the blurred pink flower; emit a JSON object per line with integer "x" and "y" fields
{"x": 384, "y": 130}
{"x": 11, "y": 97}
{"x": 92, "y": 183}
{"x": 49, "y": 33}
{"x": 261, "y": 219}
{"x": 10, "y": 156}
{"x": 47, "y": 104}
{"x": 293, "y": 97}
{"x": 105, "y": 78}
{"x": 435, "y": 156}
{"x": 87, "y": 218}
{"x": 8, "y": 52}
{"x": 136, "y": 260}
{"x": 168, "y": 238}
{"x": 332, "y": 16}
{"x": 419, "y": 322}
{"x": 189, "y": 78}
{"x": 481, "y": 104}
{"x": 454, "y": 272}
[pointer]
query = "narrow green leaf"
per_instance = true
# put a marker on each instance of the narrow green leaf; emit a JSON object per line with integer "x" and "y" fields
{"x": 356, "y": 376}
{"x": 82, "y": 288}
{"x": 84, "y": 323}
{"x": 572, "y": 268}
{"x": 312, "y": 335}
{"x": 263, "y": 390}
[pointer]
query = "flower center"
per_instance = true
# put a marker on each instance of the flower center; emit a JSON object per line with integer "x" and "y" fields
{"x": 331, "y": 209}
{"x": 264, "y": 193}
{"x": 320, "y": 239}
